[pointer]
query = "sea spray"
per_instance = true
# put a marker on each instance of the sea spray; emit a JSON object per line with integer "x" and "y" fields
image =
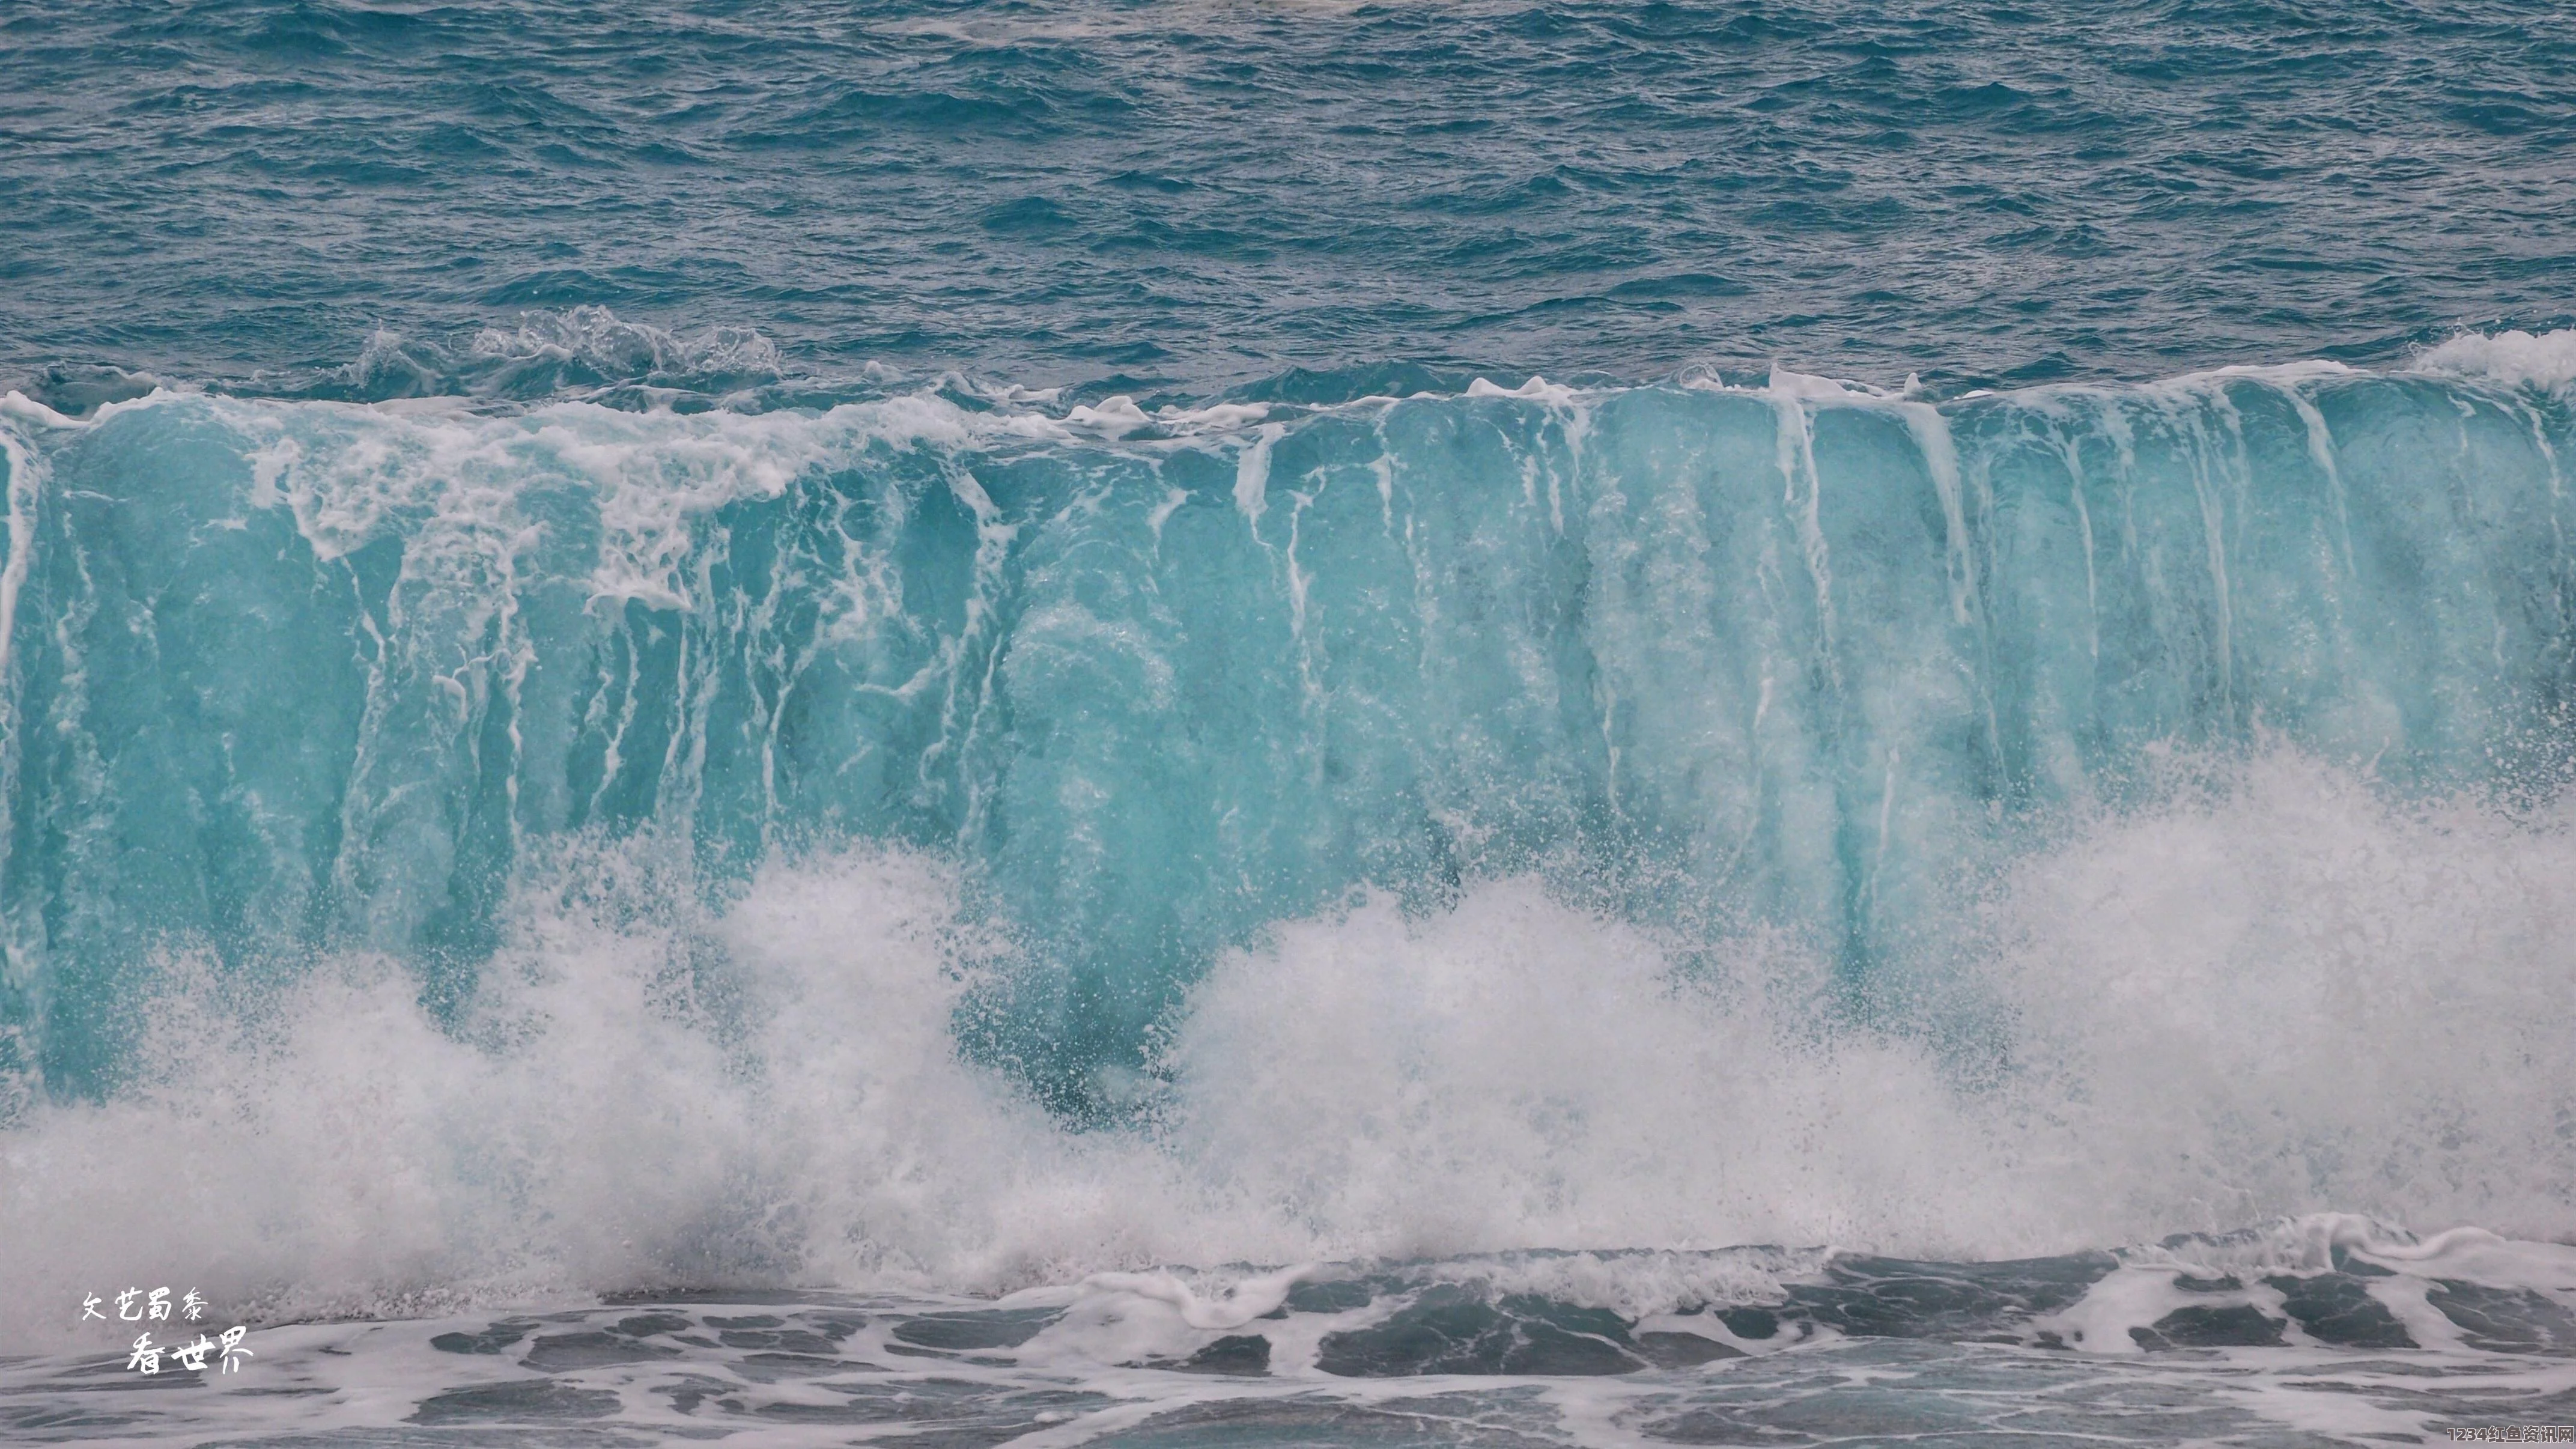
{"x": 735, "y": 848}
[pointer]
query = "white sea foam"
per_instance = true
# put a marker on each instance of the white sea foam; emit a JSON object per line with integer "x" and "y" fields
{"x": 2273, "y": 994}
{"x": 2279, "y": 996}
{"x": 2520, "y": 359}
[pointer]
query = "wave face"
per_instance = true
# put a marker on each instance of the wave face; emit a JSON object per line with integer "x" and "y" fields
{"x": 647, "y": 847}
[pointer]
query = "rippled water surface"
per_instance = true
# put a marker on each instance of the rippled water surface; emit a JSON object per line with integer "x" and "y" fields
{"x": 1188, "y": 196}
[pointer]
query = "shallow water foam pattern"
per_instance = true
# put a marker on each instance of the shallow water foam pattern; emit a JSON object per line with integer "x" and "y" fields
{"x": 2218, "y": 1341}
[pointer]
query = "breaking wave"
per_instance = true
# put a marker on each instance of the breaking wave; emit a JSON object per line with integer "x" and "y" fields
{"x": 966, "y": 843}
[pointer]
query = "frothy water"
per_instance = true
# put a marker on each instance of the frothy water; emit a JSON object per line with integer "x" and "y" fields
{"x": 647, "y": 1095}
{"x": 802, "y": 1096}
{"x": 2318, "y": 1330}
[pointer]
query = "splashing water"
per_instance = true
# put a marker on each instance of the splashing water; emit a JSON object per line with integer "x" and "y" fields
{"x": 744, "y": 848}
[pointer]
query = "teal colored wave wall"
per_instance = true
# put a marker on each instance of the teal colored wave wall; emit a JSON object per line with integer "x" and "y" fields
{"x": 293, "y": 678}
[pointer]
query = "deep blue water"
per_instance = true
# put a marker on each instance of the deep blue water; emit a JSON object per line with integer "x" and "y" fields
{"x": 1197, "y": 196}
{"x": 1247, "y": 724}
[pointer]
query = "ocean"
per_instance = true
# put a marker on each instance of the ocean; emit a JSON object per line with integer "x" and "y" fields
{"x": 1239, "y": 724}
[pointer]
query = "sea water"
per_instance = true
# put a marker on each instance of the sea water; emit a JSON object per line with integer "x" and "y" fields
{"x": 1281, "y": 724}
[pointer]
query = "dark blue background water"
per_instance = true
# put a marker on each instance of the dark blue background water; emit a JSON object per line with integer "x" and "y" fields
{"x": 1186, "y": 197}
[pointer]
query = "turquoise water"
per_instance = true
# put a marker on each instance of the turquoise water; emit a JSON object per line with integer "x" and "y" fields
{"x": 298, "y": 678}
{"x": 1254, "y": 724}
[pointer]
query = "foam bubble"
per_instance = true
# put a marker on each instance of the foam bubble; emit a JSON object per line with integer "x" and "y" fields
{"x": 2279, "y": 996}
{"x": 2283, "y": 993}
{"x": 2518, "y": 359}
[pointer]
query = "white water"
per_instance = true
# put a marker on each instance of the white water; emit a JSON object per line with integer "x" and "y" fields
{"x": 2272, "y": 994}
